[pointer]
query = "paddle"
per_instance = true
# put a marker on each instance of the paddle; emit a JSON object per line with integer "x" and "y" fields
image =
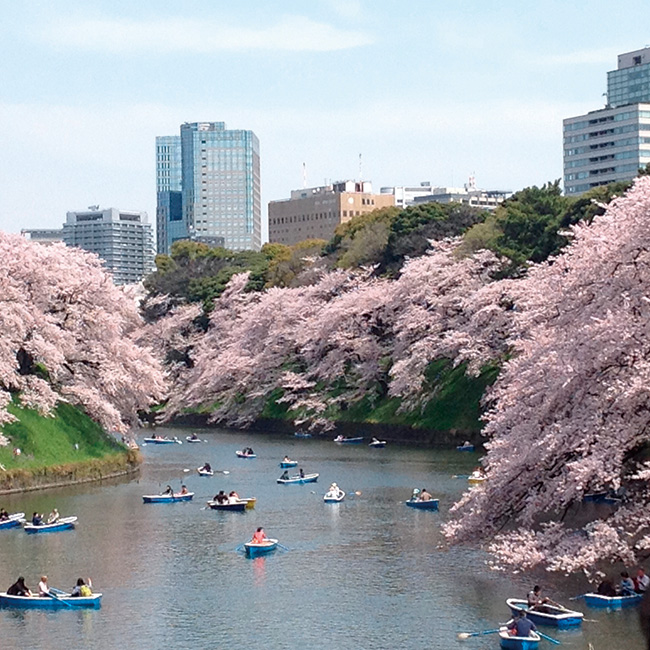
{"x": 283, "y": 547}
{"x": 53, "y": 595}
{"x": 548, "y": 638}
{"x": 465, "y": 635}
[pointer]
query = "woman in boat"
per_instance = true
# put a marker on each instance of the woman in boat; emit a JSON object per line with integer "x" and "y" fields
{"x": 285, "y": 475}
{"x": 81, "y": 589}
{"x": 415, "y": 496}
{"x": 4, "y": 515}
{"x": 233, "y": 497}
{"x": 43, "y": 587}
{"x": 19, "y": 588}
{"x": 168, "y": 490}
{"x": 53, "y": 517}
{"x": 286, "y": 459}
{"x": 259, "y": 536}
{"x": 184, "y": 490}
{"x": 37, "y": 520}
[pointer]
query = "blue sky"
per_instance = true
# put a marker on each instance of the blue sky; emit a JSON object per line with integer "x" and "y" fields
{"x": 425, "y": 90}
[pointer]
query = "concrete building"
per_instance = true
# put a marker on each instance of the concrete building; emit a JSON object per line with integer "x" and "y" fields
{"x": 45, "y": 236}
{"x": 122, "y": 239}
{"x": 612, "y": 143}
{"x": 469, "y": 195}
{"x": 405, "y": 196}
{"x": 315, "y": 212}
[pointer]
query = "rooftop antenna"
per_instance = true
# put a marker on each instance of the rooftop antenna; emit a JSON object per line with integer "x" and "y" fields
{"x": 360, "y": 169}
{"x": 304, "y": 175}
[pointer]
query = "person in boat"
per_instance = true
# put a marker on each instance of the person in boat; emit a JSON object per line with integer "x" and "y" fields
{"x": 194, "y": 437}
{"x": 53, "y": 517}
{"x": 184, "y": 490}
{"x": 302, "y": 473}
{"x": 334, "y": 490}
{"x": 168, "y": 490}
{"x": 37, "y": 520}
{"x": 425, "y": 496}
{"x": 222, "y": 497}
{"x": 4, "y": 515}
{"x": 642, "y": 581}
{"x": 286, "y": 459}
{"x": 19, "y": 588}
{"x": 206, "y": 467}
{"x": 233, "y": 497}
{"x": 81, "y": 589}
{"x": 626, "y": 585}
{"x": 537, "y": 601}
{"x": 606, "y": 588}
{"x": 43, "y": 587}
{"x": 259, "y": 536}
{"x": 521, "y": 626}
{"x": 285, "y": 475}
{"x": 467, "y": 443}
{"x": 415, "y": 496}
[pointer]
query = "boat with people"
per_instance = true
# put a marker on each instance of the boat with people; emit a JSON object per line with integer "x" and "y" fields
{"x": 205, "y": 472}
{"x": 193, "y": 438}
{"x": 511, "y": 642}
{"x": 253, "y": 549}
{"x": 612, "y": 602}
{"x": 167, "y": 498}
{"x": 232, "y": 506}
{"x": 548, "y": 614}
{"x": 334, "y": 495}
{"x": 247, "y": 452}
{"x": 466, "y": 446}
{"x": 307, "y": 478}
{"x": 64, "y": 523}
{"x": 477, "y": 477}
{"x": 431, "y": 504}
{"x": 285, "y": 464}
{"x": 350, "y": 441}
{"x": 60, "y": 600}
{"x": 377, "y": 444}
{"x": 13, "y": 521}
{"x": 159, "y": 440}
{"x": 301, "y": 434}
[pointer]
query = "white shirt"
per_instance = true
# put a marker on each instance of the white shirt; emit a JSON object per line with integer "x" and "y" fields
{"x": 643, "y": 582}
{"x": 43, "y": 588}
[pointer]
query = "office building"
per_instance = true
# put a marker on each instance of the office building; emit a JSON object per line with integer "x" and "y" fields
{"x": 45, "y": 236}
{"x": 122, "y": 239}
{"x": 612, "y": 143}
{"x": 212, "y": 175}
{"x": 405, "y": 196}
{"x": 469, "y": 194}
{"x": 315, "y": 212}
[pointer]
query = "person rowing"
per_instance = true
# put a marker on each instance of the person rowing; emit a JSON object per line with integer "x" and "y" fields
{"x": 521, "y": 626}
{"x": 539, "y": 602}
{"x": 259, "y": 536}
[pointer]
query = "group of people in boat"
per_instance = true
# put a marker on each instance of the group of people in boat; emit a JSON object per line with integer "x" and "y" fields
{"x": 285, "y": 475}
{"x": 81, "y": 590}
{"x": 421, "y": 495}
{"x": 223, "y": 498}
{"x": 169, "y": 490}
{"x": 627, "y": 586}
{"x": 40, "y": 520}
{"x": 248, "y": 451}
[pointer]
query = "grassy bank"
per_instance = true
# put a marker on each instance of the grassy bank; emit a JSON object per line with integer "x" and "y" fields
{"x": 66, "y": 448}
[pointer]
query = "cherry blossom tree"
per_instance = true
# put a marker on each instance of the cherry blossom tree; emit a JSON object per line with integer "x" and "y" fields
{"x": 68, "y": 333}
{"x": 571, "y": 409}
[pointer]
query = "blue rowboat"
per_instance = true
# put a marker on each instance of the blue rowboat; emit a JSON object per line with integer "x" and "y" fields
{"x": 285, "y": 464}
{"x": 162, "y": 441}
{"x": 550, "y": 615}
{"x": 254, "y": 549}
{"x": 64, "y": 601}
{"x": 167, "y": 498}
{"x": 465, "y": 448}
{"x": 348, "y": 441}
{"x": 243, "y": 454}
{"x": 431, "y": 504}
{"x": 299, "y": 434}
{"x": 612, "y": 602}
{"x": 237, "y": 506}
{"x": 14, "y": 520}
{"x": 510, "y": 642}
{"x": 65, "y": 523}
{"x": 307, "y": 478}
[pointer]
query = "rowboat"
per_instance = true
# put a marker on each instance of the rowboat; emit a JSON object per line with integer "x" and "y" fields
{"x": 307, "y": 478}
{"x": 243, "y": 454}
{"x": 162, "y": 441}
{"x": 603, "y": 497}
{"x": 191, "y": 439}
{"x": 204, "y": 472}
{"x": 349, "y": 441}
{"x": 510, "y": 642}
{"x": 259, "y": 548}
{"x": 431, "y": 504}
{"x": 612, "y": 602}
{"x": 334, "y": 496}
{"x": 377, "y": 444}
{"x": 476, "y": 477}
{"x": 299, "y": 434}
{"x": 550, "y": 615}
{"x": 14, "y": 520}
{"x": 285, "y": 464}
{"x": 167, "y": 498}
{"x": 236, "y": 506}
{"x": 465, "y": 448}
{"x": 64, "y": 601}
{"x": 65, "y": 523}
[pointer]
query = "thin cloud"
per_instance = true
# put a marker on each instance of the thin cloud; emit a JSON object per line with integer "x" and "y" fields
{"x": 290, "y": 33}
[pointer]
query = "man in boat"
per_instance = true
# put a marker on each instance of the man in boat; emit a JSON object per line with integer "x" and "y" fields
{"x": 285, "y": 475}
{"x": 537, "y": 601}
{"x": 259, "y": 536}
{"x": 286, "y": 459}
{"x": 233, "y": 497}
{"x": 606, "y": 588}
{"x": 37, "y": 520}
{"x": 626, "y": 586}
{"x": 222, "y": 497}
{"x": 194, "y": 437}
{"x": 4, "y": 515}
{"x": 43, "y": 587}
{"x": 642, "y": 580}
{"x": 521, "y": 626}
{"x": 184, "y": 489}
{"x": 168, "y": 490}
{"x": 19, "y": 588}
{"x": 302, "y": 473}
{"x": 206, "y": 467}
{"x": 53, "y": 517}
{"x": 425, "y": 496}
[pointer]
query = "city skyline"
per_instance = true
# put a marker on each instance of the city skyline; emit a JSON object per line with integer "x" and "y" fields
{"x": 430, "y": 93}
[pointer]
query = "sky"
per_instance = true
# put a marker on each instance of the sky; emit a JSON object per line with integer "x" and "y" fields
{"x": 395, "y": 92}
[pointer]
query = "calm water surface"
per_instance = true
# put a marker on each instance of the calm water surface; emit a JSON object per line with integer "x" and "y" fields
{"x": 363, "y": 574}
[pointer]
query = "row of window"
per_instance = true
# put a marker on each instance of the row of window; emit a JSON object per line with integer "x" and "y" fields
{"x": 622, "y": 155}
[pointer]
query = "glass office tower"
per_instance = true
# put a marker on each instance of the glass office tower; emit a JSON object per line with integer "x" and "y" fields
{"x": 169, "y": 211}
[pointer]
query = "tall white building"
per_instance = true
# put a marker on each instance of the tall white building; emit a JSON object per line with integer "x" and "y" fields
{"x": 612, "y": 143}
{"x": 404, "y": 195}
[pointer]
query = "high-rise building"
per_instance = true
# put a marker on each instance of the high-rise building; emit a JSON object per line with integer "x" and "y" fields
{"x": 122, "y": 239}
{"x": 315, "y": 212}
{"x": 612, "y": 143}
{"x": 217, "y": 173}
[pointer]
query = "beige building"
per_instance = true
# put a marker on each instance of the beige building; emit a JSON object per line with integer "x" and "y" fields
{"x": 315, "y": 212}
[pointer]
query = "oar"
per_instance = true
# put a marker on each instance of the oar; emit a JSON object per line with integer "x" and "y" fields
{"x": 465, "y": 635}
{"x": 548, "y": 638}
{"x": 65, "y": 602}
